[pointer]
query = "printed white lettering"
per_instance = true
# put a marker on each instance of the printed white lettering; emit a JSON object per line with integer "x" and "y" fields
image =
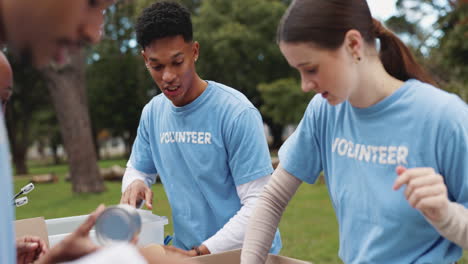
{"x": 200, "y": 138}
{"x": 342, "y": 150}
{"x": 189, "y": 137}
{"x": 365, "y": 153}
{"x": 402, "y": 154}
{"x": 374, "y": 150}
{"x": 391, "y": 155}
{"x": 207, "y": 138}
{"x": 194, "y": 137}
{"x": 368, "y": 153}
{"x": 335, "y": 143}
{"x": 353, "y": 150}
{"x": 382, "y": 155}
{"x": 172, "y": 137}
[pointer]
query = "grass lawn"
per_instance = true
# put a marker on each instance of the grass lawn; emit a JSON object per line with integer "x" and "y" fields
{"x": 309, "y": 229}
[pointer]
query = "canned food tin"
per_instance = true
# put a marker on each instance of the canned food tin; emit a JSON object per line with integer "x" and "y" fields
{"x": 119, "y": 223}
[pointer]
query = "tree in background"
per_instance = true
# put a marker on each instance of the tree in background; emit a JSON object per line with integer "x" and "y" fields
{"x": 118, "y": 83}
{"x": 67, "y": 87}
{"x": 284, "y": 101}
{"x": 238, "y": 47}
{"x": 440, "y": 47}
{"x": 29, "y": 103}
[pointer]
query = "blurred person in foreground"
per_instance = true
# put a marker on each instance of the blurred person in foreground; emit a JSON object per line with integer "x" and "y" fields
{"x": 6, "y": 82}
{"x": 377, "y": 123}
{"x": 37, "y": 33}
{"x": 28, "y": 248}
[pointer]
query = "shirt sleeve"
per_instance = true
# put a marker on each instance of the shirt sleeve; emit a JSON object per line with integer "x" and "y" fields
{"x": 131, "y": 174}
{"x": 7, "y": 213}
{"x": 141, "y": 157}
{"x": 231, "y": 236}
{"x": 267, "y": 214}
{"x": 454, "y": 226}
{"x": 248, "y": 154}
{"x": 300, "y": 154}
{"x": 453, "y": 150}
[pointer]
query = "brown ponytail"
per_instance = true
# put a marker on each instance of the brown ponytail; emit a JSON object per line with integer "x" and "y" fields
{"x": 326, "y": 22}
{"x": 397, "y": 58}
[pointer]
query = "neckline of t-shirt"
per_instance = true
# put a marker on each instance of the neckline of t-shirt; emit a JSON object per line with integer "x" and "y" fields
{"x": 199, "y": 100}
{"x": 386, "y": 101}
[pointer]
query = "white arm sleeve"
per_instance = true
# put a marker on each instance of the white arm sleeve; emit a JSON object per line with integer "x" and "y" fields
{"x": 267, "y": 214}
{"x": 131, "y": 174}
{"x": 454, "y": 226}
{"x": 231, "y": 236}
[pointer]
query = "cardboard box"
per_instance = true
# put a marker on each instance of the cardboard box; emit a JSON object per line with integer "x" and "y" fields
{"x": 32, "y": 227}
{"x": 233, "y": 257}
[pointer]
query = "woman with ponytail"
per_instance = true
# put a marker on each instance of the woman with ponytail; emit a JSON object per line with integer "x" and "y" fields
{"x": 393, "y": 148}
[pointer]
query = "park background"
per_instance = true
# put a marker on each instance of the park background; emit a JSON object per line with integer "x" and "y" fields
{"x": 68, "y": 123}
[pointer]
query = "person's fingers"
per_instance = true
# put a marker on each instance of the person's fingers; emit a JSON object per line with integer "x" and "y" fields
{"x": 425, "y": 192}
{"x": 400, "y": 169}
{"x": 410, "y": 174}
{"x": 149, "y": 198}
{"x": 21, "y": 259}
{"x": 84, "y": 228}
{"x": 414, "y": 184}
{"x": 27, "y": 239}
{"x": 431, "y": 203}
{"x": 23, "y": 247}
{"x": 402, "y": 179}
{"x": 133, "y": 196}
{"x": 30, "y": 257}
{"x": 124, "y": 198}
{"x": 44, "y": 247}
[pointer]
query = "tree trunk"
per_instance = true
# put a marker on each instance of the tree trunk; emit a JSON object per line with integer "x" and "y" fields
{"x": 18, "y": 131}
{"x": 277, "y": 133}
{"x": 19, "y": 159}
{"x": 68, "y": 91}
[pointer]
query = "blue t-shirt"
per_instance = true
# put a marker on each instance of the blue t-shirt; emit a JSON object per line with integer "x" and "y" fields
{"x": 202, "y": 151}
{"x": 7, "y": 237}
{"x": 358, "y": 150}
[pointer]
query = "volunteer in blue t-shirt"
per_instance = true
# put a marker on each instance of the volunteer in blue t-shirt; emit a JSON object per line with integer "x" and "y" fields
{"x": 205, "y": 141}
{"x": 376, "y": 124}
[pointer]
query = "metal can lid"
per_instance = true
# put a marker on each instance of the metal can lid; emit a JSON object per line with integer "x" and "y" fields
{"x": 120, "y": 223}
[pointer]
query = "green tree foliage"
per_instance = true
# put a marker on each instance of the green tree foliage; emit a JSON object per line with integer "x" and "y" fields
{"x": 237, "y": 43}
{"x": 238, "y": 47}
{"x": 284, "y": 101}
{"x": 442, "y": 47}
{"x": 118, "y": 83}
{"x": 29, "y": 114}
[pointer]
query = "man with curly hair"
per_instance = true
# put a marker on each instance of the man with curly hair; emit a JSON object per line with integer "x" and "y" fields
{"x": 203, "y": 138}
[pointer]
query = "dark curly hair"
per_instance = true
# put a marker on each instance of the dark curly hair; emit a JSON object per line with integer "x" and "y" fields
{"x": 163, "y": 19}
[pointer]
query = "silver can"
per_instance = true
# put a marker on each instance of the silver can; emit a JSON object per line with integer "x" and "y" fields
{"x": 119, "y": 223}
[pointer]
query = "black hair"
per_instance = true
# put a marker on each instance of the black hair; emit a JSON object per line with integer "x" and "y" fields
{"x": 163, "y": 19}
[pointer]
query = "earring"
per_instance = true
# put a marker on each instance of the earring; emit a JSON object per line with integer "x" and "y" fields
{"x": 357, "y": 58}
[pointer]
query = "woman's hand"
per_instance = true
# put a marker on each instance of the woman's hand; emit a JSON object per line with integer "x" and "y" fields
{"x": 425, "y": 191}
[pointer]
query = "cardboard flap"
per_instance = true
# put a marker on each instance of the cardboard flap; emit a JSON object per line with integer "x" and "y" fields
{"x": 32, "y": 227}
{"x": 233, "y": 257}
